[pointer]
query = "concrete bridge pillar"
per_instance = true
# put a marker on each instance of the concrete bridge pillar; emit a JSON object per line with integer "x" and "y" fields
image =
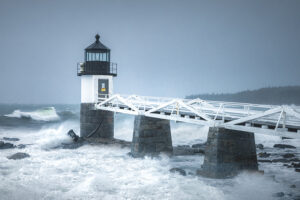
{"x": 95, "y": 123}
{"x": 228, "y": 152}
{"x": 151, "y": 136}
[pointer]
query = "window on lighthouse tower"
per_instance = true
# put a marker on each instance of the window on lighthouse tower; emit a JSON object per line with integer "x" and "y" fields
{"x": 97, "y": 57}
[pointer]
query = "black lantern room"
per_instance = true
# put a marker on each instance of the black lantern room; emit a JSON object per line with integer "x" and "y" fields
{"x": 97, "y": 60}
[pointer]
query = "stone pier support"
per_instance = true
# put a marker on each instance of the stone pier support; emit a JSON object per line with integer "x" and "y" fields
{"x": 228, "y": 152}
{"x": 151, "y": 136}
{"x": 90, "y": 120}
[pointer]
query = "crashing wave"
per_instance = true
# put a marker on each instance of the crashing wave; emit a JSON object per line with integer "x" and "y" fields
{"x": 45, "y": 114}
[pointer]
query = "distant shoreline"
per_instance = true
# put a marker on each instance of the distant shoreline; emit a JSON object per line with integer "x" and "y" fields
{"x": 286, "y": 95}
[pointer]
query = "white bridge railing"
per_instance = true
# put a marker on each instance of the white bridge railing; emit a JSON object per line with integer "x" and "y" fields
{"x": 267, "y": 119}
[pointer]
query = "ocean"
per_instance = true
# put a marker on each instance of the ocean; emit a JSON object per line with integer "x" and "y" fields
{"x": 108, "y": 172}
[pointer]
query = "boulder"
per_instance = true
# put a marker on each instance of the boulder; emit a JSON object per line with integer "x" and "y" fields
{"x": 295, "y": 160}
{"x": 287, "y": 165}
{"x": 199, "y": 148}
{"x": 296, "y": 165}
{"x": 286, "y": 138}
{"x": 4, "y": 145}
{"x": 21, "y": 146}
{"x": 288, "y": 155}
{"x": 284, "y": 146}
{"x": 199, "y": 145}
{"x": 11, "y": 139}
{"x": 181, "y": 150}
{"x": 260, "y": 146}
{"x": 297, "y": 170}
{"x": 264, "y": 155}
{"x": 74, "y": 145}
{"x": 265, "y": 161}
{"x": 187, "y": 150}
{"x": 282, "y": 160}
{"x": 278, "y": 194}
{"x": 178, "y": 170}
{"x": 183, "y": 146}
{"x": 18, "y": 156}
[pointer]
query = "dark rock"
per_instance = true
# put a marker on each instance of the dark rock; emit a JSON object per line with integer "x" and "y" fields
{"x": 183, "y": 146}
{"x": 288, "y": 155}
{"x": 266, "y": 161}
{"x": 4, "y": 145}
{"x": 296, "y": 197}
{"x": 287, "y": 165}
{"x": 21, "y": 146}
{"x": 187, "y": 150}
{"x": 199, "y": 145}
{"x": 286, "y": 138}
{"x": 11, "y": 139}
{"x": 180, "y": 151}
{"x": 73, "y": 135}
{"x": 295, "y": 160}
{"x": 296, "y": 165}
{"x": 178, "y": 170}
{"x": 283, "y": 146}
{"x": 74, "y": 145}
{"x": 264, "y": 155}
{"x": 278, "y": 194}
{"x": 283, "y": 160}
{"x": 18, "y": 156}
{"x": 297, "y": 170}
{"x": 199, "y": 150}
{"x": 260, "y": 146}
{"x": 293, "y": 186}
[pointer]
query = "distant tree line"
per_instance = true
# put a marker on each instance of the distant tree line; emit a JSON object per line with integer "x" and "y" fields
{"x": 271, "y": 95}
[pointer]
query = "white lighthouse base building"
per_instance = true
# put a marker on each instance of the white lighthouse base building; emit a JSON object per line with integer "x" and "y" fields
{"x": 95, "y": 123}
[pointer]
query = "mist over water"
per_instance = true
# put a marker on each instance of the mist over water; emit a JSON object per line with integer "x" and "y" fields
{"x": 107, "y": 172}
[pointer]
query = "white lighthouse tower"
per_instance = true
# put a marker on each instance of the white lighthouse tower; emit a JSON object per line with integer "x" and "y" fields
{"x": 96, "y": 74}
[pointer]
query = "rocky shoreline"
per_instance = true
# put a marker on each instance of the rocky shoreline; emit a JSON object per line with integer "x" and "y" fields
{"x": 283, "y": 153}
{"x": 280, "y": 153}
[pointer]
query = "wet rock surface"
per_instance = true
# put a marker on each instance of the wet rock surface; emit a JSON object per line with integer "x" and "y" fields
{"x": 4, "y": 145}
{"x": 178, "y": 170}
{"x": 11, "y": 139}
{"x": 279, "y": 194}
{"x": 107, "y": 141}
{"x": 284, "y": 154}
{"x": 21, "y": 146}
{"x": 260, "y": 146}
{"x": 284, "y": 146}
{"x": 264, "y": 155}
{"x": 18, "y": 156}
{"x": 288, "y": 155}
{"x": 189, "y": 150}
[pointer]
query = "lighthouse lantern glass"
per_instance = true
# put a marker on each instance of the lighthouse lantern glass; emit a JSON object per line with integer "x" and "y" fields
{"x": 104, "y": 57}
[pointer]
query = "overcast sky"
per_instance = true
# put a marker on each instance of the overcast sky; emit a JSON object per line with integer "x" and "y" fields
{"x": 163, "y": 48}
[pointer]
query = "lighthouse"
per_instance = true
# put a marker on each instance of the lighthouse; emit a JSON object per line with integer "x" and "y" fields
{"x": 96, "y": 73}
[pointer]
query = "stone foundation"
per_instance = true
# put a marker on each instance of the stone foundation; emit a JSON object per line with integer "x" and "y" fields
{"x": 228, "y": 152}
{"x": 90, "y": 120}
{"x": 151, "y": 136}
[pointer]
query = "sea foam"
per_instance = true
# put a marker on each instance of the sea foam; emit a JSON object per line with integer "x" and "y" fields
{"x": 45, "y": 114}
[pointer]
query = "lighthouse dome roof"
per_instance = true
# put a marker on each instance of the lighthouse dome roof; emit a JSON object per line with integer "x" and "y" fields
{"x": 97, "y": 45}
